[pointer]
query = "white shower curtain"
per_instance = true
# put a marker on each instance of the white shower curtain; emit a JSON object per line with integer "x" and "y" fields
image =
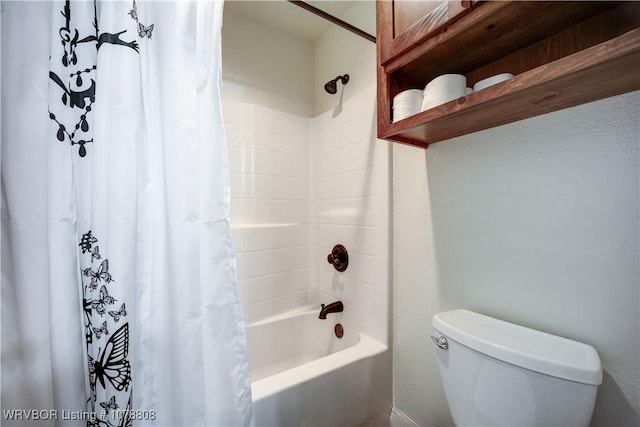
{"x": 119, "y": 302}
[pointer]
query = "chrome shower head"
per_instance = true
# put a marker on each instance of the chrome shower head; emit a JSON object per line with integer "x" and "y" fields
{"x": 332, "y": 87}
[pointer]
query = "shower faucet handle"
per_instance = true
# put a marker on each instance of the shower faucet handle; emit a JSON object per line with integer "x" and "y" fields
{"x": 339, "y": 258}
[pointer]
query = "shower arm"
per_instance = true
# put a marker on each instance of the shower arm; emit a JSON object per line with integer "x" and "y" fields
{"x": 333, "y": 20}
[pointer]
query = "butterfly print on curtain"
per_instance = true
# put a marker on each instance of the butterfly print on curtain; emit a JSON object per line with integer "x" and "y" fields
{"x": 107, "y": 352}
{"x": 143, "y": 31}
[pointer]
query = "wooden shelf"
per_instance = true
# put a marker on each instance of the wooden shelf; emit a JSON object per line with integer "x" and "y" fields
{"x": 491, "y": 31}
{"x": 604, "y": 70}
{"x": 580, "y": 52}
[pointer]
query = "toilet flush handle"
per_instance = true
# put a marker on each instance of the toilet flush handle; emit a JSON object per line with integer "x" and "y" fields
{"x": 441, "y": 342}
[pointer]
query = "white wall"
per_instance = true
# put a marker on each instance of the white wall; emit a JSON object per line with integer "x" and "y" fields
{"x": 340, "y": 52}
{"x": 536, "y": 223}
{"x": 266, "y": 66}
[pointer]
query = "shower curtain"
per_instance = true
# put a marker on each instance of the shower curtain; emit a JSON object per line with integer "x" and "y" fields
{"x": 119, "y": 301}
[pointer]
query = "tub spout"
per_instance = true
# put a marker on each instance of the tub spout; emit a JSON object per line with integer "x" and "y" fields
{"x": 334, "y": 307}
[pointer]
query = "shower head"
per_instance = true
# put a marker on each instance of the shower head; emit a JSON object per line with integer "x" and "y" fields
{"x": 332, "y": 86}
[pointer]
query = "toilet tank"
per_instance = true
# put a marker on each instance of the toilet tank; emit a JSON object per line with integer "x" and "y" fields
{"x": 497, "y": 373}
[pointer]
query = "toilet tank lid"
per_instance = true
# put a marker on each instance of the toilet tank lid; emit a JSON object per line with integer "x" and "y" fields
{"x": 524, "y": 347}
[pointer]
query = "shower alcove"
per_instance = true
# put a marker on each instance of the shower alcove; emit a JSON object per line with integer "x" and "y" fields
{"x": 307, "y": 172}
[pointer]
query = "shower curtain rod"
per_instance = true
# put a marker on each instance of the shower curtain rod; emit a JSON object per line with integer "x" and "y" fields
{"x": 333, "y": 20}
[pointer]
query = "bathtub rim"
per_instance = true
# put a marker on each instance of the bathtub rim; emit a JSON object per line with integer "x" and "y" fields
{"x": 365, "y": 347}
{"x": 306, "y": 309}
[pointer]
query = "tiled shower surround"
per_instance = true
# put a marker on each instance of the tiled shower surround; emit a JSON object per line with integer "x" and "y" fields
{"x": 269, "y": 158}
{"x": 298, "y": 187}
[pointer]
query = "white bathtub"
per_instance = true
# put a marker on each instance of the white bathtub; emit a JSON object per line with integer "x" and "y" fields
{"x": 302, "y": 375}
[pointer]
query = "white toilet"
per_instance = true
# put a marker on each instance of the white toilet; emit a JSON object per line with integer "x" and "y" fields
{"x": 496, "y": 373}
